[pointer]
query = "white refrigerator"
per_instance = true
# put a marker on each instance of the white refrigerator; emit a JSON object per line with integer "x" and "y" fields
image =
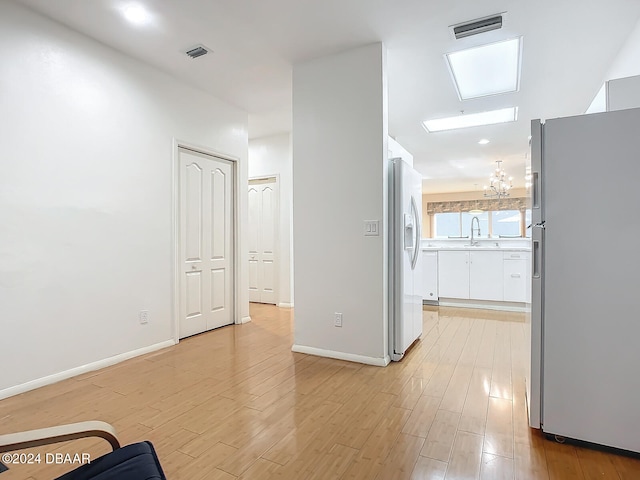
{"x": 405, "y": 269}
{"x": 585, "y": 325}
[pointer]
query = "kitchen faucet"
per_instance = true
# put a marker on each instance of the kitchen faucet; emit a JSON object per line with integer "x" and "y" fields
{"x": 478, "y": 223}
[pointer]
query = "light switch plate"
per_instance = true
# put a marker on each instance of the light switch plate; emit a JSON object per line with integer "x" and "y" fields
{"x": 371, "y": 228}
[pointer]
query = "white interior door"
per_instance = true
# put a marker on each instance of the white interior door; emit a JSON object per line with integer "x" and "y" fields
{"x": 263, "y": 208}
{"x": 206, "y": 242}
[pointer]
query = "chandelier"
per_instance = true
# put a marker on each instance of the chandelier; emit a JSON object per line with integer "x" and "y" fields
{"x": 499, "y": 185}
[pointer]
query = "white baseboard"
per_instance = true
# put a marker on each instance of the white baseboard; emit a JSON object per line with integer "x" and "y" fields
{"x": 484, "y": 305}
{"x": 350, "y": 357}
{"x": 285, "y": 305}
{"x": 246, "y": 319}
{"x": 90, "y": 367}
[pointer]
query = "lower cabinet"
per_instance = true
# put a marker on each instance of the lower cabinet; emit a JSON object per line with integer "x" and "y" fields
{"x": 453, "y": 274}
{"x": 517, "y": 286}
{"x": 495, "y": 275}
{"x": 486, "y": 276}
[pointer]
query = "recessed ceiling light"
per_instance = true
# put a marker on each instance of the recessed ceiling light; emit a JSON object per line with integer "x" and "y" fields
{"x": 137, "y": 14}
{"x": 486, "y": 70}
{"x": 472, "y": 120}
{"x": 484, "y": 141}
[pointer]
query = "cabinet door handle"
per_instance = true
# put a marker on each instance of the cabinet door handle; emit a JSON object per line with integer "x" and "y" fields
{"x": 515, "y": 275}
{"x": 515, "y": 256}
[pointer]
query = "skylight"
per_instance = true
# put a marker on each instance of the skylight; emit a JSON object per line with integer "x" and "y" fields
{"x": 472, "y": 120}
{"x": 486, "y": 70}
{"x": 137, "y": 14}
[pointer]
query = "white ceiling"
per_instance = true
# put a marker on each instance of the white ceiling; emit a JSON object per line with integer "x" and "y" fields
{"x": 568, "y": 46}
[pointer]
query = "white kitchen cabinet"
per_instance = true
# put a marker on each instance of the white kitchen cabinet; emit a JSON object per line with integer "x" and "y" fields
{"x": 453, "y": 274}
{"x": 486, "y": 276}
{"x": 483, "y": 275}
{"x": 516, "y": 277}
{"x": 430, "y": 275}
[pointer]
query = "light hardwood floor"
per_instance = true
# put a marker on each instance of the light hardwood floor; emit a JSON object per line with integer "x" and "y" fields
{"x": 237, "y": 403}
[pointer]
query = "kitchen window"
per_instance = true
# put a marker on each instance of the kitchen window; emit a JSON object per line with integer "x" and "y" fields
{"x": 506, "y": 223}
{"x": 493, "y": 224}
{"x": 446, "y": 225}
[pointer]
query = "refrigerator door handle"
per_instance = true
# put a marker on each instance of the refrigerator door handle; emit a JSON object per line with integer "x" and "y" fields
{"x": 536, "y": 259}
{"x": 417, "y": 231}
{"x": 535, "y": 193}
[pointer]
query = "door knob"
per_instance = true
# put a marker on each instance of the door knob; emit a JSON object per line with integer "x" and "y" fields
{"x": 193, "y": 267}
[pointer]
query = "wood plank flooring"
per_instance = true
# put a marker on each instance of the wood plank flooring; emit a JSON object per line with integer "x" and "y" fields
{"x": 236, "y": 403}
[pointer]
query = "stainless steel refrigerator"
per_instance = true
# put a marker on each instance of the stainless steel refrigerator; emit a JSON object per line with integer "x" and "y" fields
{"x": 584, "y": 381}
{"x": 405, "y": 256}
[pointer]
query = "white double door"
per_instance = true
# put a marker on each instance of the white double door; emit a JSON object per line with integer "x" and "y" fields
{"x": 263, "y": 200}
{"x": 206, "y": 242}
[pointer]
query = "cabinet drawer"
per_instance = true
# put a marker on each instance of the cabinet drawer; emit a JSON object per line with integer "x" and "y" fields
{"x": 515, "y": 280}
{"x": 515, "y": 255}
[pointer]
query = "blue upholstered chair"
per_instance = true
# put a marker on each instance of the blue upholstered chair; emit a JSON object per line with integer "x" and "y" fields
{"x": 137, "y": 461}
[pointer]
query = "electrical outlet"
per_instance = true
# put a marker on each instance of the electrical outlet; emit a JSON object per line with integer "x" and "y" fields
{"x": 144, "y": 316}
{"x": 337, "y": 320}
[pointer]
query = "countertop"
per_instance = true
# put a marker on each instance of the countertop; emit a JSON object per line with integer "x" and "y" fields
{"x": 507, "y": 245}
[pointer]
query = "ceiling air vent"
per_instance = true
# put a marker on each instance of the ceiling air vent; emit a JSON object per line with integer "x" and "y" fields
{"x": 198, "y": 51}
{"x": 477, "y": 26}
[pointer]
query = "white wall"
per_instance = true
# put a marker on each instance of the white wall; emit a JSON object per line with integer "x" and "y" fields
{"x": 625, "y": 64}
{"x": 272, "y": 156}
{"x": 339, "y": 181}
{"x": 86, "y": 142}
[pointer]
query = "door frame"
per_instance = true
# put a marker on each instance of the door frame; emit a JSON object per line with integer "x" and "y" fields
{"x": 175, "y": 221}
{"x": 276, "y": 253}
